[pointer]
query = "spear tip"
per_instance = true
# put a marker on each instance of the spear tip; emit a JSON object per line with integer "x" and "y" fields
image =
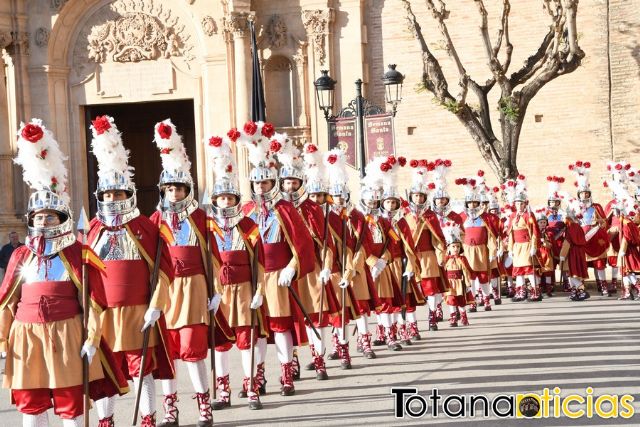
{"x": 83, "y": 221}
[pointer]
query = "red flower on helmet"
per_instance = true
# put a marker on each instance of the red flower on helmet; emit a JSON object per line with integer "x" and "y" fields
{"x": 101, "y": 124}
{"x": 414, "y": 163}
{"x": 404, "y": 203}
{"x": 165, "y": 151}
{"x": 521, "y": 177}
{"x": 431, "y": 186}
{"x": 571, "y": 167}
{"x": 618, "y": 167}
{"x": 632, "y": 174}
{"x": 438, "y": 162}
{"x": 627, "y": 166}
{"x": 496, "y": 189}
{"x": 511, "y": 184}
{"x": 268, "y": 130}
{"x": 472, "y": 182}
{"x": 549, "y": 178}
{"x": 502, "y": 187}
{"x": 608, "y": 167}
{"x": 402, "y": 161}
{"x": 311, "y": 148}
{"x": 447, "y": 163}
{"x": 32, "y": 133}
{"x": 391, "y": 160}
{"x": 54, "y": 180}
{"x": 579, "y": 163}
{"x": 233, "y": 134}
{"x": 275, "y": 146}
{"x": 250, "y": 128}
{"x": 560, "y": 179}
{"x": 481, "y": 173}
{"x": 43, "y": 154}
{"x": 587, "y": 165}
{"x": 332, "y": 158}
{"x": 215, "y": 141}
{"x": 164, "y": 130}
{"x": 384, "y": 167}
{"x": 229, "y": 168}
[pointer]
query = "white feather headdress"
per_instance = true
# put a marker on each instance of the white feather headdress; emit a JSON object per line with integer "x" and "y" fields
{"x": 335, "y": 161}
{"x": 452, "y": 232}
{"x": 257, "y": 137}
{"x": 172, "y": 152}
{"x": 314, "y": 169}
{"x": 41, "y": 159}
{"x": 439, "y": 170}
{"x": 222, "y": 161}
{"x": 581, "y": 171}
{"x": 107, "y": 146}
{"x": 374, "y": 172}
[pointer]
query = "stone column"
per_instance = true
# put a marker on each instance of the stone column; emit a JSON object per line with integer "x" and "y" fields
{"x": 237, "y": 31}
{"x": 317, "y": 23}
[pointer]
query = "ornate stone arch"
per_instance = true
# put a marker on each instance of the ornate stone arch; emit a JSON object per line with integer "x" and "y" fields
{"x": 114, "y": 51}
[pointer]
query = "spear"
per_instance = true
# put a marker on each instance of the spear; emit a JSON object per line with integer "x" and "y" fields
{"x": 83, "y": 228}
{"x": 206, "y": 205}
{"x": 323, "y": 256}
{"x": 343, "y": 267}
{"x": 147, "y": 332}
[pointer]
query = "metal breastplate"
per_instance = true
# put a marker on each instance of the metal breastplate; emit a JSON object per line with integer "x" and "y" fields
{"x": 588, "y": 216}
{"x": 231, "y": 240}
{"x": 45, "y": 269}
{"x": 116, "y": 245}
{"x": 184, "y": 233}
{"x": 269, "y": 226}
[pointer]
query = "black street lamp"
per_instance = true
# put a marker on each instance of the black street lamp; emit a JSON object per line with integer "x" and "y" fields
{"x": 325, "y": 87}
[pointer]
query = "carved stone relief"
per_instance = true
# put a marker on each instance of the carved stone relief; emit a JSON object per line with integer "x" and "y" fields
{"x": 316, "y": 23}
{"x": 235, "y": 24}
{"x": 56, "y": 5}
{"x": 277, "y": 32}
{"x": 209, "y": 26}
{"x": 127, "y": 31}
{"x": 41, "y": 37}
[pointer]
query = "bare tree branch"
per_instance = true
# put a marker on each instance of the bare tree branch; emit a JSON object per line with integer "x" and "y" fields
{"x": 440, "y": 14}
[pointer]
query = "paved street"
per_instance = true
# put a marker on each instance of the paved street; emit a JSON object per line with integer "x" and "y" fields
{"x": 516, "y": 348}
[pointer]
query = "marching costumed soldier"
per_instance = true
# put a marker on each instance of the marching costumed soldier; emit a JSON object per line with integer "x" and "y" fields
{"x": 593, "y": 222}
{"x": 422, "y": 237}
{"x": 41, "y": 322}
{"x": 619, "y": 174}
{"x": 523, "y": 241}
{"x": 187, "y": 317}
{"x": 380, "y": 254}
{"x": 392, "y": 209}
{"x": 358, "y": 243}
{"x": 555, "y": 227}
{"x": 458, "y": 273}
{"x": 128, "y": 243}
{"x": 294, "y": 170}
{"x": 488, "y": 197}
{"x": 625, "y": 210}
{"x": 286, "y": 243}
{"x": 442, "y": 207}
{"x": 343, "y": 270}
{"x": 544, "y": 260}
{"x": 572, "y": 253}
{"x": 241, "y": 274}
{"x": 480, "y": 238}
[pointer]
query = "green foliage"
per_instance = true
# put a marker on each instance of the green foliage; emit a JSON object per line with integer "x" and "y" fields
{"x": 508, "y": 107}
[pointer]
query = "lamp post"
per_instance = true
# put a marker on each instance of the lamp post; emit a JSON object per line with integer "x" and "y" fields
{"x": 359, "y": 107}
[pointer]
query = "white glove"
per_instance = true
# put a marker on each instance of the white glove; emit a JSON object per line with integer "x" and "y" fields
{"x": 408, "y": 274}
{"x": 150, "y": 317}
{"x": 533, "y": 252}
{"x": 375, "y": 272}
{"x": 89, "y": 351}
{"x": 621, "y": 254}
{"x": 491, "y": 259}
{"x": 325, "y": 275}
{"x": 510, "y": 254}
{"x": 256, "y": 302}
{"x": 214, "y": 303}
{"x": 286, "y": 276}
{"x": 380, "y": 264}
{"x": 562, "y": 259}
{"x": 500, "y": 253}
{"x": 343, "y": 283}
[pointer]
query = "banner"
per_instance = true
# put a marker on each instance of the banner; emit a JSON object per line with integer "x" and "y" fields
{"x": 342, "y": 134}
{"x": 379, "y": 136}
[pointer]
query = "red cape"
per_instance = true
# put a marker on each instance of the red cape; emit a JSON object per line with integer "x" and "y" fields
{"x": 146, "y": 233}
{"x": 114, "y": 381}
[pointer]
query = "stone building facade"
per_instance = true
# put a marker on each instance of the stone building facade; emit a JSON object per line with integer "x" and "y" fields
{"x": 66, "y": 61}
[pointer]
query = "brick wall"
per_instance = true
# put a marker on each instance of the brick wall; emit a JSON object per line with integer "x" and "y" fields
{"x": 575, "y": 109}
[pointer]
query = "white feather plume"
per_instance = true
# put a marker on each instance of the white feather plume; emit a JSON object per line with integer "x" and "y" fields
{"x": 42, "y": 160}
{"x": 314, "y": 167}
{"x": 221, "y": 159}
{"x": 373, "y": 173}
{"x": 108, "y": 148}
{"x": 172, "y": 152}
{"x": 289, "y": 155}
{"x": 335, "y": 161}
